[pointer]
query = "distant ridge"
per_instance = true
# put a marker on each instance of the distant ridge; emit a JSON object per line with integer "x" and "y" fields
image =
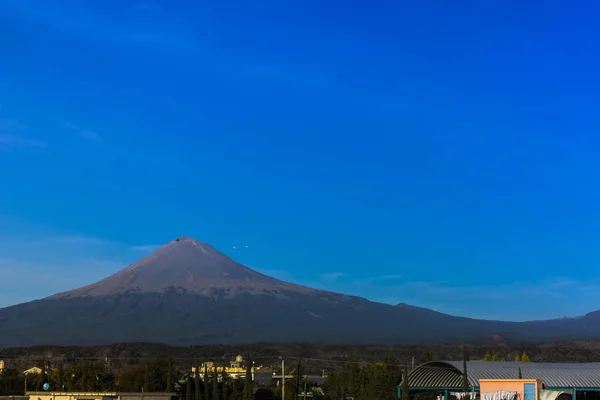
{"x": 189, "y": 293}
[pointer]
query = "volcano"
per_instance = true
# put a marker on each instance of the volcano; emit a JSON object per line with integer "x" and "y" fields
{"x": 189, "y": 266}
{"x": 188, "y": 293}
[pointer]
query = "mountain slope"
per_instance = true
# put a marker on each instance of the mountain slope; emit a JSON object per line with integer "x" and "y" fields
{"x": 190, "y": 266}
{"x": 189, "y": 293}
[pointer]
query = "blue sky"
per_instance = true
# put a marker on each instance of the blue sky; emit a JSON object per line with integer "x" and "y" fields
{"x": 438, "y": 153}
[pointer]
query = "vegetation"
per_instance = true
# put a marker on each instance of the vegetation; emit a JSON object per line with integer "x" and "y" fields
{"x": 368, "y": 381}
{"x": 361, "y": 372}
{"x": 197, "y": 384}
{"x": 248, "y": 384}
{"x": 405, "y": 384}
{"x": 465, "y": 377}
{"x": 11, "y": 382}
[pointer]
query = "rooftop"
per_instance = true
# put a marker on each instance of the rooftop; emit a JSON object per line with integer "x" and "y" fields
{"x": 448, "y": 374}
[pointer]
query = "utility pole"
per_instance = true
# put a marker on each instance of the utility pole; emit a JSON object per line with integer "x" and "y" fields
{"x": 304, "y": 390}
{"x": 282, "y": 378}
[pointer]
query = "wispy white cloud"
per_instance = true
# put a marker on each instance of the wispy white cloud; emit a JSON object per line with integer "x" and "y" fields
{"x": 150, "y": 25}
{"x": 389, "y": 277}
{"x": 147, "y": 248}
{"x": 39, "y": 264}
{"x": 332, "y": 276}
{"x": 11, "y": 125}
{"x": 9, "y": 141}
{"x": 83, "y": 132}
{"x": 551, "y": 287}
{"x": 36, "y": 279}
{"x": 76, "y": 239}
{"x": 12, "y": 136}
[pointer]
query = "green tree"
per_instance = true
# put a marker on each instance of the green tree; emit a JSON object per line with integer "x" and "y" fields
{"x": 12, "y": 383}
{"x": 298, "y": 385}
{"x": 494, "y": 357}
{"x": 188, "y": 388}
{"x": 248, "y": 384}
{"x": 205, "y": 381}
{"x": 405, "y": 386}
{"x": 84, "y": 376}
{"x": 425, "y": 356}
{"x": 43, "y": 368}
{"x": 487, "y": 357}
{"x": 389, "y": 377}
{"x": 236, "y": 390}
{"x": 465, "y": 378}
{"x": 146, "y": 387}
{"x": 197, "y": 392}
{"x": 60, "y": 377}
{"x": 224, "y": 383}
{"x": 370, "y": 381}
{"x": 517, "y": 357}
{"x": 149, "y": 374}
{"x": 525, "y": 357}
{"x": 169, "y": 389}
{"x": 215, "y": 384}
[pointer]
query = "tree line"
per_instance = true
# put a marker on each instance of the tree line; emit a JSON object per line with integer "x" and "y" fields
{"x": 366, "y": 381}
{"x": 153, "y": 375}
{"x": 359, "y": 379}
{"x": 519, "y": 357}
{"x": 217, "y": 385}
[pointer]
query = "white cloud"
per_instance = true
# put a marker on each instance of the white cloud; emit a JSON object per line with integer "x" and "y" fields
{"x": 83, "y": 132}
{"x": 550, "y": 288}
{"x": 11, "y": 125}
{"x": 148, "y": 248}
{"x": 390, "y": 277}
{"x": 40, "y": 264}
{"x": 12, "y": 136}
{"x": 37, "y": 280}
{"x": 332, "y": 276}
{"x": 77, "y": 239}
{"x": 12, "y": 141}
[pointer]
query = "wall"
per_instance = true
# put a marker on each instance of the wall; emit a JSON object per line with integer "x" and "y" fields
{"x": 146, "y": 396}
{"x": 70, "y": 396}
{"x": 509, "y": 385}
{"x": 99, "y": 396}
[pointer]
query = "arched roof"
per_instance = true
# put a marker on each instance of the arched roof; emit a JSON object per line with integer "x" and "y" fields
{"x": 448, "y": 374}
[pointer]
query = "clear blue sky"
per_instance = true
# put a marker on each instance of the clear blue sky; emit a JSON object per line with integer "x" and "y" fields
{"x": 439, "y": 153}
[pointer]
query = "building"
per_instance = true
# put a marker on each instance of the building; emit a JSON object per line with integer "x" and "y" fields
{"x": 494, "y": 380}
{"x": 99, "y": 396}
{"x": 234, "y": 369}
{"x": 34, "y": 370}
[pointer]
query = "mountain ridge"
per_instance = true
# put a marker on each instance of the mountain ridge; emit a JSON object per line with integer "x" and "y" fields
{"x": 190, "y": 265}
{"x": 188, "y": 293}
